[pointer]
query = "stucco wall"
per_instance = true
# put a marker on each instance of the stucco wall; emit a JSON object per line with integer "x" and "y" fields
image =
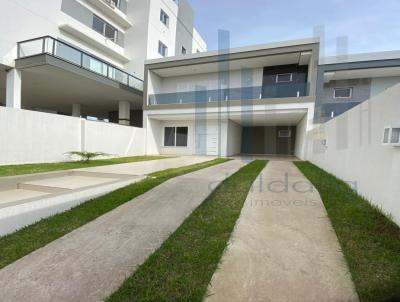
{"x": 354, "y": 150}
{"x": 234, "y": 138}
{"x": 209, "y": 81}
{"x": 30, "y": 136}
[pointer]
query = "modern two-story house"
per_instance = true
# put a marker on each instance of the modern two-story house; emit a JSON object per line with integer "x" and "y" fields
{"x": 250, "y": 100}
{"x": 256, "y": 100}
{"x": 86, "y": 57}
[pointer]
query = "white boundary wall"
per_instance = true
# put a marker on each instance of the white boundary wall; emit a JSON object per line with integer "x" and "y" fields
{"x": 33, "y": 137}
{"x": 354, "y": 151}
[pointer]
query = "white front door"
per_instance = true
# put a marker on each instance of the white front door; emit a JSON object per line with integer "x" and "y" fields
{"x": 206, "y": 140}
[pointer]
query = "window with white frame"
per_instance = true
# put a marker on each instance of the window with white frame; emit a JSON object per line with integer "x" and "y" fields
{"x": 115, "y": 2}
{"x": 284, "y": 133}
{"x": 342, "y": 92}
{"x": 386, "y": 134}
{"x": 164, "y": 18}
{"x": 175, "y": 136}
{"x": 284, "y": 78}
{"x": 104, "y": 28}
{"x": 162, "y": 49}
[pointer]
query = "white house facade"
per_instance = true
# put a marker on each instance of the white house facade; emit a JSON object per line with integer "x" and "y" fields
{"x": 251, "y": 100}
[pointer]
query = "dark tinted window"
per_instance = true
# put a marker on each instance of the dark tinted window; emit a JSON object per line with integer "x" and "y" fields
{"x": 181, "y": 136}
{"x": 169, "y": 136}
{"x": 98, "y": 24}
{"x": 104, "y": 28}
{"x": 284, "y": 77}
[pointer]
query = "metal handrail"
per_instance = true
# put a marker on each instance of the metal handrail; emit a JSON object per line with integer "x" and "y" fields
{"x": 82, "y": 54}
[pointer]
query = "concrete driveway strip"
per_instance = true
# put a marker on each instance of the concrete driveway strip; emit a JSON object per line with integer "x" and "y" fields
{"x": 147, "y": 167}
{"x": 91, "y": 262}
{"x": 283, "y": 247}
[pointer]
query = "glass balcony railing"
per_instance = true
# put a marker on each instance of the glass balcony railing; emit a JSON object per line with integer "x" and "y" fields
{"x": 282, "y": 90}
{"x": 73, "y": 55}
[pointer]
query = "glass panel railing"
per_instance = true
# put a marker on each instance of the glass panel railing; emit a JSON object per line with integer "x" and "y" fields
{"x": 232, "y": 94}
{"x": 78, "y": 57}
{"x": 135, "y": 83}
{"x": 94, "y": 65}
{"x": 67, "y": 53}
{"x": 30, "y": 48}
{"x": 285, "y": 90}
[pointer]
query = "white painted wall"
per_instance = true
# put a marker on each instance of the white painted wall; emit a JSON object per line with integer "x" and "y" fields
{"x": 207, "y": 81}
{"x": 301, "y": 134}
{"x": 30, "y": 136}
{"x": 234, "y": 138}
{"x": 355, "y": 153}
{"x": 189, "y": 150}
{"x": 379, "y": 85}
{"x": 198, "y": 42}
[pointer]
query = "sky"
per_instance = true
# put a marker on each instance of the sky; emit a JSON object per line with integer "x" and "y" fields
{"x": 358, "y": 25}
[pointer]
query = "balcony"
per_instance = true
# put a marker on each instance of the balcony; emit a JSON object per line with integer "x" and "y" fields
{"x": 287, "y": 90}
{"x": 114, "y": 9}
{"x": 66, "y": 52}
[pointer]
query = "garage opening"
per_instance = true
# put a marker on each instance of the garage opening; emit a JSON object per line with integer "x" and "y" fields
{"x": 268, "y": 140}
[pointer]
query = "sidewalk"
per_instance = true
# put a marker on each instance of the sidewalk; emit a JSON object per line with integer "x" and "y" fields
{"x": 91, "y": 262}
{"x": 283, "y": 247}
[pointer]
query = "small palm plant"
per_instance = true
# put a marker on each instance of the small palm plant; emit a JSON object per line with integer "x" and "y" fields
{"x": 86, "y": 156}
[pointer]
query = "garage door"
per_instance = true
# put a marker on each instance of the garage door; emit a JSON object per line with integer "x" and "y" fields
{"x": 206, "y": 140}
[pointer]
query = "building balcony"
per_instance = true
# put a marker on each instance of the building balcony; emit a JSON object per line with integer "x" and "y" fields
{"x": 286, "y": 90}
{"x": 66, "y": 52}
{"x": 114, "y": 9}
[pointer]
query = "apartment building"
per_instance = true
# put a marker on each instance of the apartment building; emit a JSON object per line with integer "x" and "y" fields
{"x": 86, "y": 57}
{"x": 251, "y": 100}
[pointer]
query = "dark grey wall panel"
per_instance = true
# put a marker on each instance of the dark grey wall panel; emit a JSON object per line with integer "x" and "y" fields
{"x": 265, "y": 140}
{"x": 77, "y": 11}
{"x": 361, "y": 91}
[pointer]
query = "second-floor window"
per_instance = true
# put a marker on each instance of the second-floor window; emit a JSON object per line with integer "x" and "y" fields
{"x": 284, "y": 78}
{"x": 164, "y": 18}
{"x": 104, "y": 28}
{"x": 342, "y": 92}
{"x": 162, "y": 49}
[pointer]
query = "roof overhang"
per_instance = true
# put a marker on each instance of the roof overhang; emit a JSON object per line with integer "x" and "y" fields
{"x": 282, "y": 117}
{"x": 361, "y": 73}
{"x": 289, "y": 52}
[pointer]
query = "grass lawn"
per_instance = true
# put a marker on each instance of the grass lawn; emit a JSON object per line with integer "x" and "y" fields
{"x": 11, "y": 170}
{"x": 181, "y": 269}
{"x": 30, "y": 238}
{"x": 369, "y": 240}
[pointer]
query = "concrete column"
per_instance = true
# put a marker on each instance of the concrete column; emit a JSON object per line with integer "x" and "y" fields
{"x": 76, "y": 110}
{"x": 13, "y": 88}
{"x": 124, "y": 112}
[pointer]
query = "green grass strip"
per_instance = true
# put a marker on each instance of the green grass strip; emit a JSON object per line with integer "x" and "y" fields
{"x": 11, "y": 170}
{"x": 369, "y": 240}
{"x": 181, "y": 269}
{"x": 30, "y": 238}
